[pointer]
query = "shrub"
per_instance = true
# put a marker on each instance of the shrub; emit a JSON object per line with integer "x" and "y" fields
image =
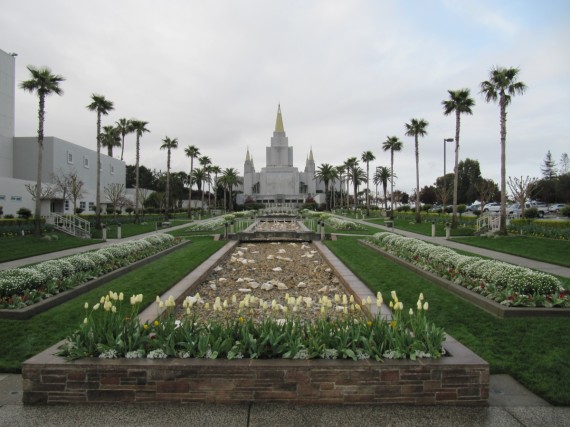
{"x": 565, "y": 211}
{"x": 531, "y": 213}
{"x": 24, "y": 213}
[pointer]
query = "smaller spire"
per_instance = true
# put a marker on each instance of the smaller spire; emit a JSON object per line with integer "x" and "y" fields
{"x": 247, "y": 156}
{"x": 311, "y": 159}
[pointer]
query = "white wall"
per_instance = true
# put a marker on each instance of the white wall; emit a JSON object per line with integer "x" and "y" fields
{"x": 7, "y": 107}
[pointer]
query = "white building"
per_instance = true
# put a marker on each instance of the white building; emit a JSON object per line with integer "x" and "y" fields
{"x": 18, "y": 160}
{"x": 279, "y": 182}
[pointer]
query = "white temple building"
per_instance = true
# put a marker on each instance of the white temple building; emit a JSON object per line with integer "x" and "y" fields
{"x": 279, "y": 182}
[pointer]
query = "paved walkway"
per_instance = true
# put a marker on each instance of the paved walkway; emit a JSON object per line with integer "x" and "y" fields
{"x": 510, "y": 404}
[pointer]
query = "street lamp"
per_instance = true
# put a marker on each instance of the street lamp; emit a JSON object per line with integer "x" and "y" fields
{"x": 444, "y": 152}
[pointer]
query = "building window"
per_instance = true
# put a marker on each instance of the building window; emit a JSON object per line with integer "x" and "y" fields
{"x": 2, "y": 197}
{"x": 70, "y": 157}
{"x": 91, "y": 206}
{"x": 16, "y": 198}
{"x": 66, "y": 205}
{"x": 86, "y": 162}
{"x": 112, "y": 169}
{"x": 82, "y": 205}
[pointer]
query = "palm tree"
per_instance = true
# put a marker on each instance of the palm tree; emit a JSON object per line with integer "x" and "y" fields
{"x": 502, "y": 85}
{"x": 367, "y": 157}
{"x": 351, "y": 164}
{"x": 416, "y": 128}
{"x": 193, "y": 152}
{"x": 230, "y": 178}
{"x": 383, "y": 175}
{"x": 199, "y": 176}
{"x": 139, "y": 128}
{"x": 125, "y": 127}
{"x": 392, "y": 144}
{"x": 324, "y": 173}
{"x": 110, "y": 138}
{"x": 215, "y": 170}
{"x": 44, "y": 83}
{"x": 340, "y": 170}
{"x": 102, "y": 106}
{"x": 168, "y": 144}
{"x": 205, "y": 162}
{"x": 459, "y": 102}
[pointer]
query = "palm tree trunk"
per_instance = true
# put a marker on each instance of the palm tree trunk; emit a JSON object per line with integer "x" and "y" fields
{"x": 190, "y": 185}
{"x": 392, "y": 184}
{"x": 167, "y": 183}
{"x": 98, "y": 189}
{"x": 367, "y": 188}
{"x": 123, "y": 147}
{"x": 418, "y": 217}
{"x": 503, "y": 214}
{"x": 38, "y": 208}
{"x": 137, "y": 182}
{"x": 456, "y": 176}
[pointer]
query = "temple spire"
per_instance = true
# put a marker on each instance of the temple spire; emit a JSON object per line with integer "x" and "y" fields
{"x": 247, "y": 156}
{"x": 311, "y": 159}
{"x": 279, "y": 121}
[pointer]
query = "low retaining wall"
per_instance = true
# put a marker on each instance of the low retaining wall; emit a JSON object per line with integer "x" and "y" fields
{"x": 460, "y": 379}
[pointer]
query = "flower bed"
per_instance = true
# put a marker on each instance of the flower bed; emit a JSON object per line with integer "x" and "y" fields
{"x": 207, "y": 225}
{"x": 21, "y": 287}
{"x": 504, "y": 283}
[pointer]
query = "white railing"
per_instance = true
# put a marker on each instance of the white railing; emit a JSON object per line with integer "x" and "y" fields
{"x": 489, "y": 222}
{"x": 70, "y": 224}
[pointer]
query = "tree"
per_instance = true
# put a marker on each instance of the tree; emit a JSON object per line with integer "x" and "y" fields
{"x": 193, "y": 152}
{"x": 75, "y": 189}
{"x": 43, "y": 83}
{"x": 230, "y": 179}
{"x": 124, "y": 127}
{"x": 101, "y": 106}
{"x": 548, "y": 168}
{"x": 468, "y": 172}
{"x": 564, "y": 164}
{"x": 417, "y": 128}
{"x": 392, "y": 144}
{"x": 367, "y": 157}
{"x": 340, "y": 170}
{"x": 522, "y": 189}
{"x": 47, "y": 191}
{"x": 486, "y": 190}
{"x": 382, "y": 175}
{"x": 324, "y": 173}
{"x": 199, "y": 177}
{"x": 428, "y": 195}
{"x": 205, "y": 162}
{"x": 139, "y": 128}
{"x": 459, "y": 102}
{"x": 444, "y": 193}
{"x": 142, "y": 195}
{"x": 168, "y": 144}
{"x": 110, "y": 138}
{"x": 114, "y": 192}
{"x": 502, "y": 85}
{"x": 215, "y": 170}
{"x": 61, "y": 185}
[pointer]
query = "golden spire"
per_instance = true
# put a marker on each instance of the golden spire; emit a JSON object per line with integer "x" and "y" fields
{"x": 247, "y": 157}
{"x": 311, "y": 155}
{"x": 279, "y": 121}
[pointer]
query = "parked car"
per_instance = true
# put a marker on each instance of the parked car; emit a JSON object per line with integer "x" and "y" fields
{"x": 515, "y": 208}
{"x": 492, "y": 208}
{"x": 556, "y": 208}
{"x": 474, "y": 207}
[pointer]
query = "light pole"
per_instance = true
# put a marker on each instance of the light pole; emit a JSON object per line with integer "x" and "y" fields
{"x": 444, "y": 153}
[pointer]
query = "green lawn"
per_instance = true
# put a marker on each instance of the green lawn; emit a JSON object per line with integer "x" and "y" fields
{"x": 22, "y": 247}
{"x": 22, "y": 339}
{"x": 424, "y": 228}
{"x": 130, "y": 229}
{"x": 534, "y": 351}
{"x": 538, "y": 248}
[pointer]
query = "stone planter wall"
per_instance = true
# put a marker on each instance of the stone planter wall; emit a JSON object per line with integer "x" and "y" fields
{"x": 460, "y": 379}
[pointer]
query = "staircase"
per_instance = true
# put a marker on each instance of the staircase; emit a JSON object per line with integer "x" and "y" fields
{"x": 70, "y": 224}
{"x": 488, "y": 224}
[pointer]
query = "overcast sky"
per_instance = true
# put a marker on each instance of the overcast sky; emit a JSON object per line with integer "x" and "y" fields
{"x": 347, "y": 74}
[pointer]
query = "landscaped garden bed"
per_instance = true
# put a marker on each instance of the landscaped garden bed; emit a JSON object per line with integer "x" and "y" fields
{"x": 460, "y": 378}
{"x": 504, "y": 285}
{"x": 27, "y": 291}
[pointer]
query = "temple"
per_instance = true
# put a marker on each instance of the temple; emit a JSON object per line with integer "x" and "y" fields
{"x": 279, "y": 182}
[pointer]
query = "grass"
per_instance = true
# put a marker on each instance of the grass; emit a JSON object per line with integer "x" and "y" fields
{"x": 537, "y": 248}
{"x": 22, "y": 339}
{"x": 130, "y": 229}
{"x": 23, "y": 247}
{"x": 534, "y": 351}
{"x": 424, "y": 228}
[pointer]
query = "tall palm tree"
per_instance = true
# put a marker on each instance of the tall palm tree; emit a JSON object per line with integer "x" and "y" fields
{"x": 367, "y": 157}
{"x": 215, "y": 170}
{"x": 340, "y": 170}
{"x": 110, "y": 138}
{"x": 168, "y": 144}
{"x": 193, "y": 152}
{"x": 351, "y": 164}
{"x": 205, "y": 162}
{"x": 199, "y": 176}
{"x": 125, "y": 127}
{"x": 324, "y": 173}
{"x": 502, "y": 85}
{"x": 382, "y": 175}
{"x": 102, "y": 106}
{"x": 392, "y": 144}
{"x": 139, "y": 128}
{"x": 230, "y": 178}
{"x": 459, "y": 102}
{"x": 417, "y": 128}
{"x": 44, "y": 83}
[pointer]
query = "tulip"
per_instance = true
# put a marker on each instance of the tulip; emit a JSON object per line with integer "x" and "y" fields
{"x": 352, "y": 299}
{"x": 401, "y": 306}
{"x": 161, "y": 304}
{"x": 419, "y": 305}
{"x": 121, "y": 296}
{"x": 234, "y": 299}
{"x": 344, "y": 300}
{"x": 421, "y": 296}
{"x": 426, "y": 306}
{"x": 411, "y": 312}
{"x": 86, "y": 306}
{"x": 114, "y": 309}
{"x": 336, "y": 298}
{"x": 133, "y": 300}
{"x": 391, "y": 304}
{"x": 96, "y": 307}
{"x": 85, "y": 321}
{"x": 157, "y": 299}
{"x": 394, "y": 296}
{"x": 102, "y": 300}
{"x": 207, "y": 306}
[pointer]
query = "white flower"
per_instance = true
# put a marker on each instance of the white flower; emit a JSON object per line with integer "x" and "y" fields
{"x": 86, "y": 306}
{"x": 426, "y": 306}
